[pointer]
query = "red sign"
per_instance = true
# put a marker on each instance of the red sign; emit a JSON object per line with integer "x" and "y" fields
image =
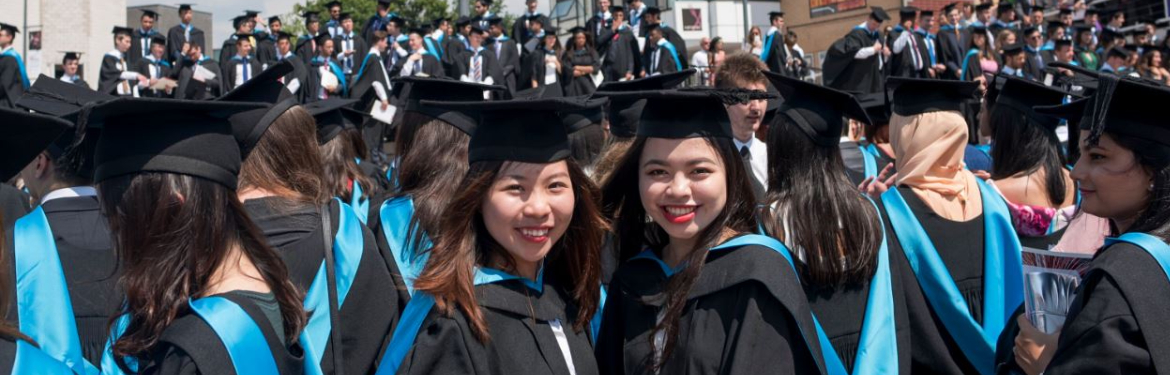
{"x": 819, "y": 8}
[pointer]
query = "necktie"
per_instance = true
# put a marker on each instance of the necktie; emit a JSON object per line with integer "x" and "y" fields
{"x": 498, "y": 44}
{"x": 757, "y": 187}
{"x": 477, "y": 73}
{"x": 348, "y": 59}
{"x": 418, "y": 66}
{"x": 745, "y": 153}
{"x": 245, "y": 63}
{"x": 914, "y": 52}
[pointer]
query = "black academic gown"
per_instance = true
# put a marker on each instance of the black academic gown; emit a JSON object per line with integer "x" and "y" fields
{"x": 163, "y": 70}
{"x": 190, "y": 88}
{"x": 902, "y": 64}
{"x": 491, "y": 66}
{"x": 265, "y": 49}
{"x": 583, "y": 85}
{"x": 522, "y": 340}
{"x": 230, "y": 75}
{"x": 777, "y": 61}
{"x": 844, "y": 72}
{"x": 509, "y": 58}
{"x": 666, "y": 62}
{"x": 744, "y": 315}
{"x": 11, "y": 86}
{"x": 680, "y": 45}
{"x": 299, "y": 73}
{"x": 84, "y": 244}
{"x": 370, "y": 309}
{"x": 190, "y": 346}
{"x": 1034, "y": 63}
{"x": 537, "y": 70}
{"x": 306, "y": 48}
{"x": 599, "y": 30}
{"x": 138, "y": 39}
{"x": 227, "y": 51}
{"x": 855, "y": 161}
{"x": 14, "y": 203}
{"x": 453, "y": 50}
{"x": 373, "y": 131}
{"x": 175, "y": 39}
{"x": 951, "y": 52}
{"x": 430, "y": 66}
{"x": 360, "y": 48}
{"x": 960, "y": 246}
{"x": 110, "y": 75}
{"x": 622, "y": 56}
{"x": 520, "y": 26}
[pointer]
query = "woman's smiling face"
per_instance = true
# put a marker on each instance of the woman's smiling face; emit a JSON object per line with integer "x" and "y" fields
{"x": 683, "y": 184}
{"x": 528, "y": 209}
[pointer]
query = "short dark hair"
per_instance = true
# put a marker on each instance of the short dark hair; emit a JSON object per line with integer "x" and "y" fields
{"x": 738, "y": 70}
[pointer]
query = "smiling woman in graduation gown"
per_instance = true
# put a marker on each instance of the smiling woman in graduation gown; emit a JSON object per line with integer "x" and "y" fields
{"x": 1118, "y": 322}
{"x": 204, "y": 293}
{"x": 353, "y": 303}
{"x": 963, "y": 276}
{"x": 30, "y": 134}
{"x": 513, "y": 281}
{"x": 723, "y": 300}
{"x": 855, "y": 292}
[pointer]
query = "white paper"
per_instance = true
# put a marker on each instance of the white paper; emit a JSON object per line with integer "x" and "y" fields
{"x": 386, "y": 116}
{"x": 293, "y": 85}
{"x": 202, "y": 74}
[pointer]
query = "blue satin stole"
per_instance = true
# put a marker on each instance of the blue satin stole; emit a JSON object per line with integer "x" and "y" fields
{"x": 42, "y": 296}
{"x": 245, "y": 342}
{"x": 1002, "y": 278}
{"x": 359, "y": 202}
{"x": 396, "y": 215}
{"x": 348, "y": 246}
{"x": 30, "y": 360}
{"x": 869, "y": 155}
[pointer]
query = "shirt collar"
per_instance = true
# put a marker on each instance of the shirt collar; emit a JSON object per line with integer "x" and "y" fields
{"x": 115, "y": 53}
{"x": 70, "y": 192}
{"x": 739, "y": 145}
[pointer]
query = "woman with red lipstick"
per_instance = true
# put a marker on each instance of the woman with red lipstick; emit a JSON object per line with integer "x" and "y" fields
{"x": 852, "y": 286}
{"x": 1117, "y": 323}
{"x": 512, "y": 283}
{"x": 697, "y": 292}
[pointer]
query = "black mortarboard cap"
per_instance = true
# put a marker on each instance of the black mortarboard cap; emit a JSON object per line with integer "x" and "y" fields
{"x": 9, "y": 28}
{"x": 399, "y": 21}
{"x": 438, "y": 22}
{"x": 616, "y": 9}
{"x": 311, "y": 16}
{"x": 983, "y": 6}
{"x": 879, "y": 14}
{"x": 680, "y": 114}
{"x": 150, "y": 13}
{"x": 185, "y": 137}
{"x": 623, "y": 114}
{"x": 656, "y": 11}
{"x": 321, "y": 38}
{"x": 462, "y": 21}
{"x": 1004, "y": 8}
{"x": 1117, "y": 51}
{"x": 240, "y": 20}
{"x": 198, "y": 39}
{"x": 158, "y": 39}
{"x": 551, "y": 31}
{"x": 1022, "y": 95}
{"x": 265, "y": 88}
{"x": 495, "y": 20}
{"x": 25, "y": 136}
{"x": 527, "y": 131}
{"x": 119, "y": 30}
{"x": 332, "y": 4}
{"x": 1056, "y": 24}
{"x": 584, "y": 118}
{"x": 333, "y": 115}
{"x": 1085, "y": 78}
{"x": 978, "y": 29}
{"x": 876, "y": 106}
{"x": 1121, "y": 106}
{"x": 914, "y": 96}
{"x": 1063, "y": 42}
{"x": 273, "y": 19}
{"x": 72, "y": 56}
{"x": 1066, "y": 11}
{"x": 384, "y": 3}
{"x": 907, "y": 12}
{"x": 486, "y": 2}
{"x": 251, "y": 13}
{"x": 284, "y": 35}
{"x": 1072, "y": 112}
{"x": 817, "y": 111}
{"x": 1012, "y": 49}
{"x": 184, "y": 7}
{"x": 413, "y": 90}
{"x": 59, "y": 98}
{"x": 926, "y": 13}
{"x": 345, "y": 16}
{"x": 1109, "y": 34}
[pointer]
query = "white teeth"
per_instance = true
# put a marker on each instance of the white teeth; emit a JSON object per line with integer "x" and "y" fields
{"x": 679, "y": 211}
{"x": 534, "y": 232}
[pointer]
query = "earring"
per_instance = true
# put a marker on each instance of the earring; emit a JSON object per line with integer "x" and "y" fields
{"x": 1151, "y": 186}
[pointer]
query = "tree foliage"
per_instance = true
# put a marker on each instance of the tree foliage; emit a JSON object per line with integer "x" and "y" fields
{"x": 414, "y": 11}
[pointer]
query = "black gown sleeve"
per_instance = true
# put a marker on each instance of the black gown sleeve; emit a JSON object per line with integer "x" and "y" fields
{"x": 370, "y": 309}
{"x": 760, "y": 339}
{"x": 10, "y": 82}
{"x": 109, "y": 76}
{"x": 171, "y": 360}
{"x": 973, "y": 70}
{"x": 1103, "y": 337}
{"x": 441, "y": 348}
{"x": 610, "y": 341}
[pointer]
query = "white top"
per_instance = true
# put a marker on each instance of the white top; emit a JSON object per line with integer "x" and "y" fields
{"x": 759, "y": 151}
{"x": 70, "y": 192}
{"x": 699, "y": 59}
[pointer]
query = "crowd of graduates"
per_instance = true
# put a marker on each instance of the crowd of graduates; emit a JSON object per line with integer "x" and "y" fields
{"x": 321, "y": 213}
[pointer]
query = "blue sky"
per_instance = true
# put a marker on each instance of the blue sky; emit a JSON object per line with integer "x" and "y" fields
{"x": 223, "y": 10}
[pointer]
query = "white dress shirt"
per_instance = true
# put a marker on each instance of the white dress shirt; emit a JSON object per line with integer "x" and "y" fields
{"x": 759, "y": 151}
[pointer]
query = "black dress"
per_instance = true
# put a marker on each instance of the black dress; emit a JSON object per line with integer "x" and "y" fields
{"x": 84, "y": 245}
{"x": 190, "y": 346}
{"x": 841, "y": 311}
{"x": 583, "y": 85}
{"x": 519, "y": 321}
{"x": 960, "y": 246}
{"x": 744, "y": 315}
{"x": 369, "y": 310}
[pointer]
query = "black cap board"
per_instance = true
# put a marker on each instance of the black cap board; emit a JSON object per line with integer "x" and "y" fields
{"x": 879, "y": 14}
{"x": 581, "y": 119}
{"x": 321, "y": 39}
{"x": 119, "y": 30}
{"x": 462, "y": 21}
{"x": 527, "y": 131}
{"x": 914, "y": 96}
{"x": 71, "y": 55}
{"x": 577, "y": 29}
{"x": 345, "y": 16}
{"x": 265, "y": 88}
{"x": 333, "y": 3}
{"x": 333, "y": 115}
{"x": 411, "y": 91}
{"x": 617, "y": 9}
{"x": 274, "y": 19}
{"x": 74, "y": 149}
{"x": 158, "y": 39}
{"x": 1121, "y": 106}
{"x": 252, "y": 13}
{"x": 926, "y": 13}
{"x": 184, "y": 7}
{"x": 1063, "y": 42}
{"x": 284, "y": 35}
{"x": 657, "y": 11}
{"x": 185, "y": 137}
{"x": 623, "y": 114}
{"x": 907, "y": 12}
{"x": 1013, "y": 49}
{"x": 240, "y": 20}
{"x": 678, "y": 114}
{"x": 495, "y": 20}
{"x": 25, "y": 136}
{"x": 877, "y": 107}
{"x": 149, "y": 13}
{"x": 983, "y": 6}
{"x": 1072, "y": 111}
{"x": 1022, "y": 95}
{"x": 775, "y": 14}
{"x": 1052, "y": 25}
{"x": 9, "y": 28}
{"x": 816, "y": 110}
{"x": 311, "y": 17}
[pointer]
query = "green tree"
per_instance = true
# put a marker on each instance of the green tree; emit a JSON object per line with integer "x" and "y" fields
{"x": 414, "y": 11}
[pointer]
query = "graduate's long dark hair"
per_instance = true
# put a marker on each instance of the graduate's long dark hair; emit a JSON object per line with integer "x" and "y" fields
{"x": 1024, "y": 146}
{"x": 1155, "y": 218}
{"x": 172, "y": 232}
{"x": 573, "y": 264}
{"x": 621, "y": 202}
{"x": 279, "y": 163}
{"x": 808, "y": 189}
{"x": 585, "y": 145}
{"x": 341, "y": 170}
{"x": 432, "y": 162}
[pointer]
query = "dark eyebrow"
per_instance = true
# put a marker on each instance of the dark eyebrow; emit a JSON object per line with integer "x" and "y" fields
{"x": 689, "y": 163}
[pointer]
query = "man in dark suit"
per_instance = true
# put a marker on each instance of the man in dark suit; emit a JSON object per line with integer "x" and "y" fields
{"x": 653, "y": 17}
{"x": 13, "y": 76}
{"x": 774, "y": 54}
{"x": 349, "y": 46}
{"x": 181, "y": 34}
{"x": 154, "y": 67}
{"x": 241, "y": 67}
{"x": 663, "y": 58}
{"x": 522, "y": 28}
{"x": 622, "y": 60}
{"x": 479, "y": 64}
{"x": 600, "y": 26}
{"x": 194, "y": 86}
